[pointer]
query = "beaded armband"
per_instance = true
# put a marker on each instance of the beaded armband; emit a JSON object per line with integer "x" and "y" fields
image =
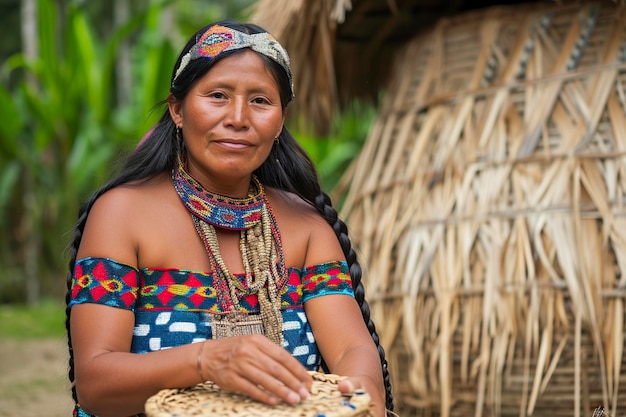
{"x": 327, "y": 278}
{"x": 104, "y": 281}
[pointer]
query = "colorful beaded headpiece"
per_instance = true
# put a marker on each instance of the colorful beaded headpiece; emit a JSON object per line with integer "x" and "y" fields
{"x": 219, "y": 39}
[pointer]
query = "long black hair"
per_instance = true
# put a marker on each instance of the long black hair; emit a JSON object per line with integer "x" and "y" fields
{"x": 288, "y": 168}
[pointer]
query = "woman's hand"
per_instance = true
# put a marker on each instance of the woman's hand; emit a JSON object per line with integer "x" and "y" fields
{"x": 254, "y": 366}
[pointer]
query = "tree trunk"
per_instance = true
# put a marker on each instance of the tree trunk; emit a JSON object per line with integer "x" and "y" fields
{"x": 31, "y": 238}
{"x": 121, "y": 15}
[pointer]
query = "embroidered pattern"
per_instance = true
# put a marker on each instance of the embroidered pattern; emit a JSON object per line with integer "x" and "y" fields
{"x": 327, "y": 278}
{"x": 214, "y": 41}
{"x": 166, "y": 289}
{"x": 175, "y": 307}
{"x": 105, "y": 281}
{"x": 221, "y": 211}
{"x": 219, "y": 39}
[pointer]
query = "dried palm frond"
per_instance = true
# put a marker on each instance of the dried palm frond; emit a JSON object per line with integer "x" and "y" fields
{"x": 306, "y": 29}
{"x": 488, "y": 207}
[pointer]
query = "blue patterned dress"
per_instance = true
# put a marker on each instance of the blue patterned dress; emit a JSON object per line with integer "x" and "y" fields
{"x": 174, "y": 307}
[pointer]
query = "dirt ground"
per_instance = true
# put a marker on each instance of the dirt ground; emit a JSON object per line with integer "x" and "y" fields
{"x": 33, "y": 379}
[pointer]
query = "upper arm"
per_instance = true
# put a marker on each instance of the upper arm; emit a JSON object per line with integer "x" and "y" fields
{"x": 307, "y": 237}
{"x": 336, "y": 319}
{"x": 108, "y": 233}
{"x": 323, "y": 244}
{"x": 98, "y": 329}
{"x": 338, "y": 326}
{"x": 110, "y": 228}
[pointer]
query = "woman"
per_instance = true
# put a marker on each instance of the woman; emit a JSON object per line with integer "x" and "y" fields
{"x": 215, "y": 255}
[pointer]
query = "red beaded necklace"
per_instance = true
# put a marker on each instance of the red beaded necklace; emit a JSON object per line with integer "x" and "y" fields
{"x": 261, "y": 249}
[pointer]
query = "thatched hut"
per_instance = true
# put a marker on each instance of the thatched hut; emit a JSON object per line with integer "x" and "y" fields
{"x": 489, "y": 202}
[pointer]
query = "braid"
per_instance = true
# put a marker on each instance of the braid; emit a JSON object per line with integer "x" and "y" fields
{"x": 70, "y": 372}
{"x": 324, "y": 206}
{"x": 290, "y": 168}
{"x": 73, "y": 249}
{"x": 153, "y": 156}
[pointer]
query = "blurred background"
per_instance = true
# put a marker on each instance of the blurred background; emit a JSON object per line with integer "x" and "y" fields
{"x": 476, "y": 149}
{"x": 81, "y": 83}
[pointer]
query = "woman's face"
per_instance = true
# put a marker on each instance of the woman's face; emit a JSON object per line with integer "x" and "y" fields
{"x": 230, "y": 119}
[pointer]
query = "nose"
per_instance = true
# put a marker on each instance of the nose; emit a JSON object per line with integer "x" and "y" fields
{"x": 237, "y": 115}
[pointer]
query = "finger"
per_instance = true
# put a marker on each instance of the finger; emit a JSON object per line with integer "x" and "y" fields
{"x": 285, "y": 368}
{"x": 276, "y": 388}
{"x": 246, "y": 387}
{"x": 284, "y": 380}
{"x": 293, "y": 375}
{"x": 262, "y": 365}
{"x": 349, "y": 386}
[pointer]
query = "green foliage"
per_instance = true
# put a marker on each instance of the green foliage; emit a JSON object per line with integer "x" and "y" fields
{"x": 64, "y": 126}
{"x": 44, "y": 320}
{"x": 333, "y": 153}
{"x": 62, "y": 133}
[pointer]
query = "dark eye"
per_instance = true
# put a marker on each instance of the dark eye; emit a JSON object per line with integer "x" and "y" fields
{"x": 218, "y": 95}
{"x": 259, "y": 100}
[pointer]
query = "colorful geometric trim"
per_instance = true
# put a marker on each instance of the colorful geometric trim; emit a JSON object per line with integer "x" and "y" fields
{"x": 174, "y": 307}
{"x": 105, "y": 281}
{"x": 172, "y": 289}
{"x": 326, "y": 278}
{"x": 219, "y": 39}
{"x": 221, "y": 211}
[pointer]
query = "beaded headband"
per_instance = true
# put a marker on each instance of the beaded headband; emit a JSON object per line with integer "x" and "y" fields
{"x": 219, "y": 39}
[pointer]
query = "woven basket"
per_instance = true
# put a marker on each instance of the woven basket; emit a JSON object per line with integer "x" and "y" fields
{"x": 208, "y": 400}
{"x": 488, "y": 207}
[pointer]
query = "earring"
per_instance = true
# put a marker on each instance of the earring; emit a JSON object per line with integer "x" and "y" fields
{"x": 179, "y": 133}
{"x": 276, "y": 143}
{"x": 180, "y": 144}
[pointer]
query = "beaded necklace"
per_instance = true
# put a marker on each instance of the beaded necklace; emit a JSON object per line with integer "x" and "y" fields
{"x": 261, "y": 252}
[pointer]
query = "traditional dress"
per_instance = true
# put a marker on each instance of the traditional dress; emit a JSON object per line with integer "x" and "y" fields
{"x": 174, "y": 307}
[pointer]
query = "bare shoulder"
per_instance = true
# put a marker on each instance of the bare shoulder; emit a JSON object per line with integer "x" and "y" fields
{"x": 116, "y": 217}
{"x": 304, "y": 230}
{"x": 127, "y": 201}
{"x": 290, "y": 207}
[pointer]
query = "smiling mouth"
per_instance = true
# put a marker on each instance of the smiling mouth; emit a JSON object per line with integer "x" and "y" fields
{"x": 234, "y": 144}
